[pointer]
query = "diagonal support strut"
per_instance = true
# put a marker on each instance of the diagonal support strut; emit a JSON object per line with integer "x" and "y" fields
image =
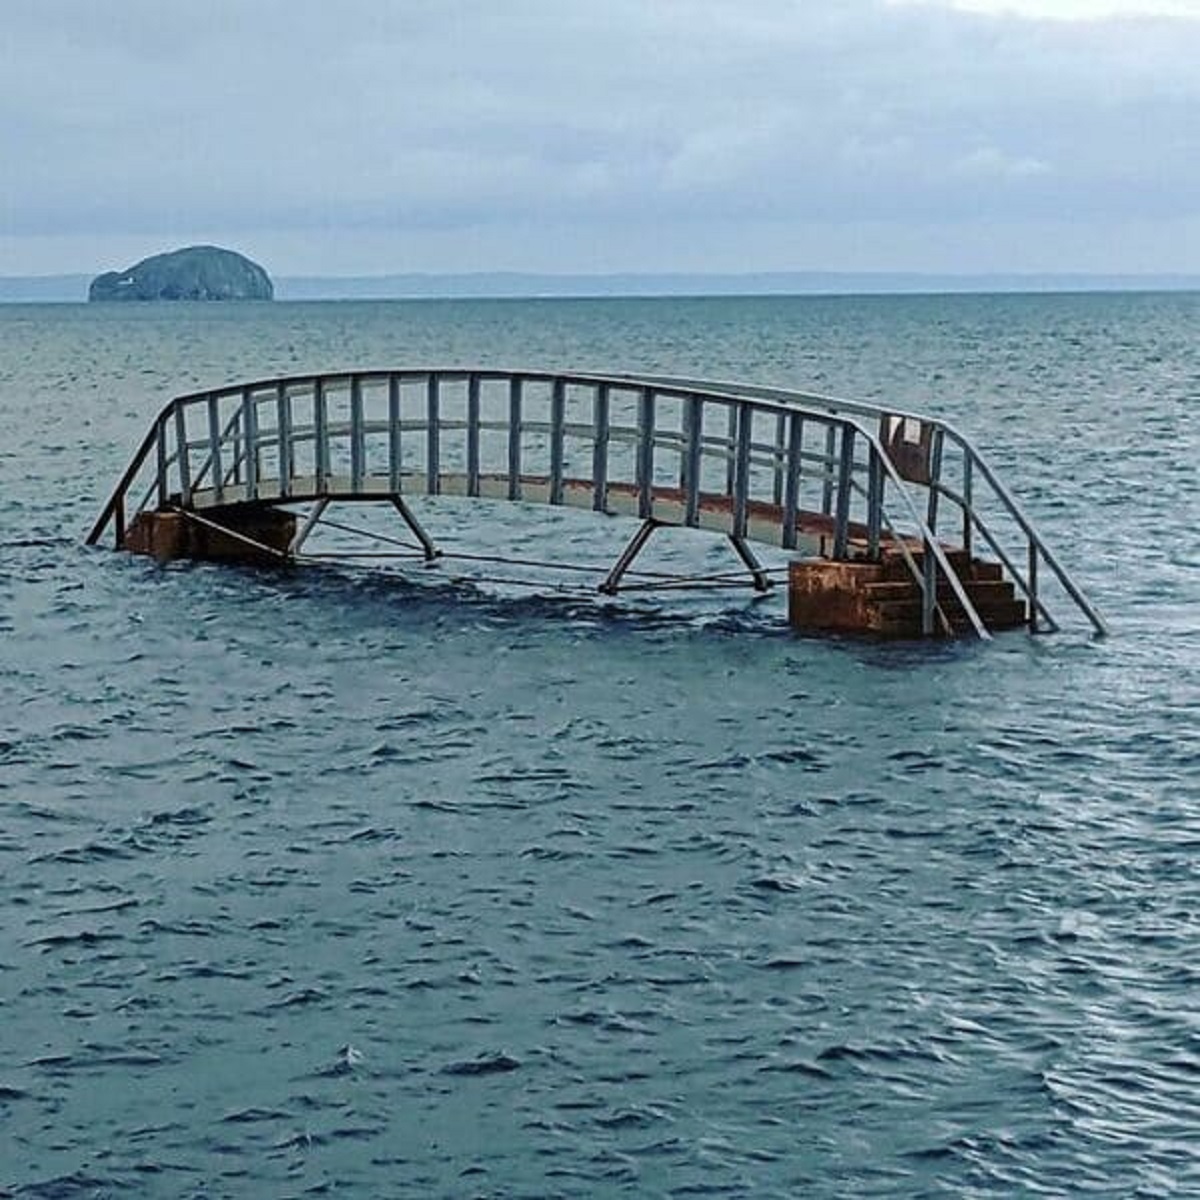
{"x": 612, "y": 583}
{"x": 418, "y": 530}
{"x": 762, "y": 581}
{"x": 307, "y": 526}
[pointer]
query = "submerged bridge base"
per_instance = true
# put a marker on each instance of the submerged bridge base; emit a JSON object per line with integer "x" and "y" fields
{"x": 259, "y": 535}
{"x": 877, "y": 598}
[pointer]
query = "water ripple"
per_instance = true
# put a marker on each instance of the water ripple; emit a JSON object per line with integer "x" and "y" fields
{"x": 362, "y": 885}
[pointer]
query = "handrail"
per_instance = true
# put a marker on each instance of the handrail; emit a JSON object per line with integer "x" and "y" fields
{"x": 123, "y": 484}
{"x": 452, "y": 374}
{"x": 930, "y": 545}
{"x": 1026, "y": 526}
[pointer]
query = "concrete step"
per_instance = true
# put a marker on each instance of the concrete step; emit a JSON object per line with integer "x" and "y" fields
{"x": 903, "y": 617}
{"x": 884, "y": 599}
{"x": 896, "y": 567}
{"x": 981, "y": 570}
{"x": 981, "y": 591}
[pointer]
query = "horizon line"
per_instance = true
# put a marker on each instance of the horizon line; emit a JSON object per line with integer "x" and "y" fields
{"x": 72, "y": 288}
{"x": 774, "y": 273}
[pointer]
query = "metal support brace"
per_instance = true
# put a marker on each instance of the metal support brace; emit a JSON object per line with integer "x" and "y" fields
{"x": 418, "y": 530}
{"x": 307, "y": 526}
{"x": 161, "y": 485}
{"x": 1033, "y": 587}
{"x": 830, "y": 468}
{"x": 845, "y": 479}
{"x": 611, "y": 584}
{"x": 935, "y": 479}
{"x": 875, "y": 482}
{"x": 928, "y": 589}
{"x": 762, "y": 581}
{"x": 968, "y": 525}
{"x": 183, "y": 463}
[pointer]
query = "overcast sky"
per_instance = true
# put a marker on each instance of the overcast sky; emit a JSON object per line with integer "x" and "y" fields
{"x": 374, "y": 136}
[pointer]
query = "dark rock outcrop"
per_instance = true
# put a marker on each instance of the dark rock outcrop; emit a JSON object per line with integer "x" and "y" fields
{"x": 194, "y": 273}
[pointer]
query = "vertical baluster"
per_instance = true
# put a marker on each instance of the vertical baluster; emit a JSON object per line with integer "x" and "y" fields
{"x": 321, "y": 435}
{"x": 928, "y": 587}
{"x": 395, "y": 462}
{"x": 741, "y": 472}
{"x": 239, "y": 446}
{"x": 731, "y": 443}
{"x": 250, "y": 429}
{"x": 473, "y": 436}
{"x": 216, "y": 470}
{"x": 645, "y": 453}
{"x": 693, "y": 426}
{"x": 683, "y": 447}
{"x": 875, "y": 481}
{"x": 600, "y": 449}
{"x": 935, "y": 479}
{"x": 558, "y": 411}
{"x": 287, "y": 450}
{"x": 162, "y": 486}
{"x": 182, "y": 458}
{"x": 358, "y": 442}
{"x": 830, "y": 468}
{"x": 841, "y": 528}
{"x": 777, "y": 463}
{"x": 791, "y": 491}
{"x": 1033, "y": 586}
{"x": 968, "y": 523}
{"x": 514, "y": 438}
{"x": 433, "y": 434}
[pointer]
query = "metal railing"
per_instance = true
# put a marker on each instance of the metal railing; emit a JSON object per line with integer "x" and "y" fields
{"x": 760, "y": 464}
{"x": 955, "y": 471}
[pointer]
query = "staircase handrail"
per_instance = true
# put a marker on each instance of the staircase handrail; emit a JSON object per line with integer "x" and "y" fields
{"x": 973, "y": 455}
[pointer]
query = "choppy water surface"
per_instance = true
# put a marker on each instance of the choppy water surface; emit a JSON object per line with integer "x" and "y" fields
{"x": 336, "y": 883}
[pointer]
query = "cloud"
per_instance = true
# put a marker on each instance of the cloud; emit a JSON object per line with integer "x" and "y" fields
{"x": 137, "y": 119}
{"x": 989, "y": 163}
{"x": 1070, "y": 10}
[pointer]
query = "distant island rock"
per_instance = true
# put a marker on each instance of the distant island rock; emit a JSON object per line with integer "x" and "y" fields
{"x": 194, "y": 273}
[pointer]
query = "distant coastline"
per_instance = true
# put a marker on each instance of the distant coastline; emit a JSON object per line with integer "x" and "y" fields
{"x": 528, "y": 285}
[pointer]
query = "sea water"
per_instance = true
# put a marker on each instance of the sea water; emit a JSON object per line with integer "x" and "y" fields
{"x": 395, "y": 884}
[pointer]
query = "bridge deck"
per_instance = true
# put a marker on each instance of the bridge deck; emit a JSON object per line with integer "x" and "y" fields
{"x": 668, "y": 504}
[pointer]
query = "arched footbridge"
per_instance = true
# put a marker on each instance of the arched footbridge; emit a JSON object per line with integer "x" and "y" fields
{"x": 900, "y": 504}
